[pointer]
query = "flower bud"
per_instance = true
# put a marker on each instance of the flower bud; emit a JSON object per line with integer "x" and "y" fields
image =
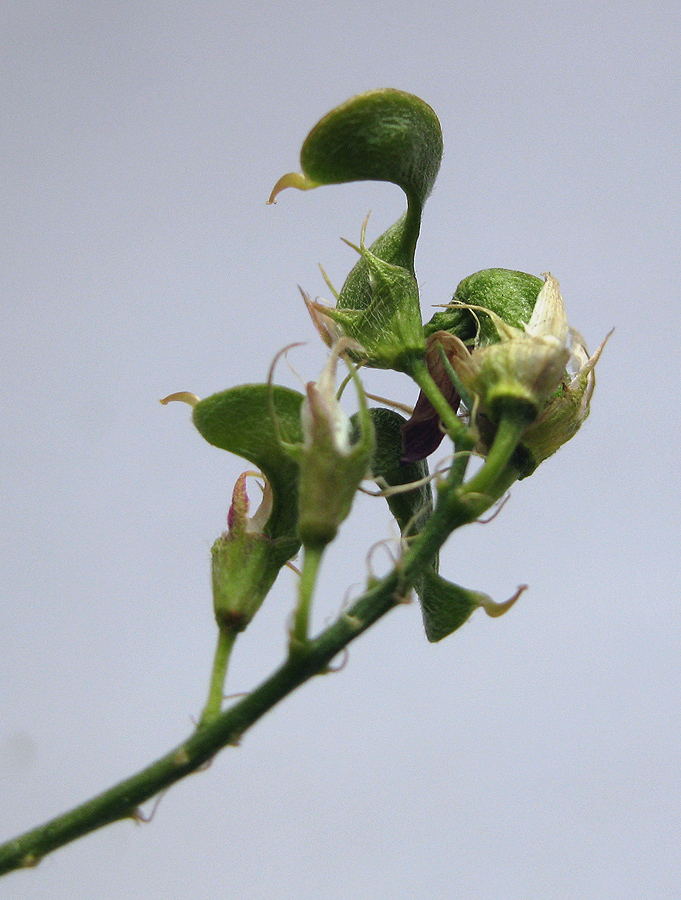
{"x": 245, "y": 562}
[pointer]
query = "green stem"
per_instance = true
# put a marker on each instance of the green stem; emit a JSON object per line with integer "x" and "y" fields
{"x": 123, "y": 800}
{"x": 458, "y": 431}
{"x": 308, "y": 578}
{"x": 456, "y": 505}
{"x": 226, "y": 638}
{"x": 492, "y": 480}
{"x": 412, "y": 229}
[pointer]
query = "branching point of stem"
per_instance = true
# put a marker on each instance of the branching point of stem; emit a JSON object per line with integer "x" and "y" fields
{"x": 457, "y": 505}
{"x": 226, "y": 638}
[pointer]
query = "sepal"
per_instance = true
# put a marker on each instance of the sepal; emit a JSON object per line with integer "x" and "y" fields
{"x": 446, "y": 606}
{"x": 332, "y": 465}
{"x": 240, "y": 420}
{"x": 244, "y": 561}
{"x": 389, "y": 327}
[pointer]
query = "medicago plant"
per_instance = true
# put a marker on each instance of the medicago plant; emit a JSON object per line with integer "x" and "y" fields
{"x": 503, "y": 379}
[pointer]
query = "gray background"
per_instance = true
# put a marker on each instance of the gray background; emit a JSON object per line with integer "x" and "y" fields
{"x": 534, "y": 756}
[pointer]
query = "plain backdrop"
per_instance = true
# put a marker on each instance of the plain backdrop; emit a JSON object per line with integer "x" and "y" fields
{"x": 533, "y": 756}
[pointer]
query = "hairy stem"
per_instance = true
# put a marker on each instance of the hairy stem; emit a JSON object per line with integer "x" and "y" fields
{"x": 458, "y": 431}
{"x": 226, "y": 638}
{"x": 456, "y": 505}
{"x": 122, "y": 800}
{"x": 308, "y": 578}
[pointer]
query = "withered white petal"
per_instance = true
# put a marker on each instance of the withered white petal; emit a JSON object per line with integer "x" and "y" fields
{"x": 549, "y": 318}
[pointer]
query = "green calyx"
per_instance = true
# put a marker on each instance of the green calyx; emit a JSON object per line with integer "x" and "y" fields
{"x": 245, "y": 561}
{"x": 328, "y": 484}
{"x": 389, "y": 327}
{"x": 244, "y": 567}
{"x": 239, "y": 420}
{"x": 333, "y": 458}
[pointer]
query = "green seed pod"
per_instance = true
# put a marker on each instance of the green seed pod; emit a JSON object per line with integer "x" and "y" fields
{"x": 511, "y": 295}
{"x": 384, "y": 135}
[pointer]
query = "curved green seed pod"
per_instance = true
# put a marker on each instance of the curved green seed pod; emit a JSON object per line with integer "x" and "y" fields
{"x": 239, "y": 420}
{"x": 511, "y": 295}
{"x": 384, "y": 135}
{"x": 445, "y": 606}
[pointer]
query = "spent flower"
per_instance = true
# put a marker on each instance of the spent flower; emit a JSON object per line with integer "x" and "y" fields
{"x": 245, "y": 561}
{"x": 332, "y": 463}
{"x": 566, "y": 411}
{"x": 520, "y": 372}
{"x": 541, "y": 372}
